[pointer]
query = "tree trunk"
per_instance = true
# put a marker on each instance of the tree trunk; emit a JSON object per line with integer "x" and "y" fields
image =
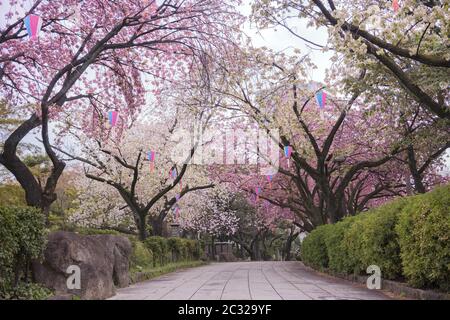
{"x": 287, "y": 249}
{"x": 213, "y": 247}
{"x": 9, "y": 158}
{"x": 288, "y": 246}
{"x": 157, "y": 226}
{"x": 142, "y": 227}
{"x": 35, "y": 196}
{"x": 412, "y": 164}
{"x": 255, "y": 254}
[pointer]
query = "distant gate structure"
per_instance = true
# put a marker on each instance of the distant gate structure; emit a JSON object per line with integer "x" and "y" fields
{"x": 220, "y": 251}
{"x": 175, "y": 230}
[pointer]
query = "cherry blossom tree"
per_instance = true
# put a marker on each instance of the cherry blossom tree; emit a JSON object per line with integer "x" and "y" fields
{"x": 406, "y": 51}
{"x": 427, "y": 141}
{"x": 336, "y": 150}
{"x": 210, "y": 212}
{"x": 102, "y": 61}
{"x": 148, "y": 188}
{"x": 100, "y": 208}
{"x": 263, "y": 228}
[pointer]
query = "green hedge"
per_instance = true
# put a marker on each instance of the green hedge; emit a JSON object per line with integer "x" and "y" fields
{"x": 93, "y": 232}
{"x": 141, "y": 257}
{"x": 160, "y": 249}
{"x": 424, "y": 237}
{"x": 174, "y": 249}
{"x": 22, "y": 239}
{"x": 337, "y": 254}
{"x": 407, "y": 238}
{"x": 314, "y": 251}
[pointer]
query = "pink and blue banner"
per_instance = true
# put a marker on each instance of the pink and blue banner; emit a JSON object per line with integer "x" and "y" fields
{"x": 321, "y": 98}
{"x": 151, "y": 157}
{"x": 112, "y": 117}
{"x": 33, "y": 23}
{"x": 287, "y": 151}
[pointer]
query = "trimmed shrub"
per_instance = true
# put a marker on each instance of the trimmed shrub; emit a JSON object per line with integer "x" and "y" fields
{"x": 408, "y": 237}
{"x": 313, "y": 250}
{"x": 353, "y": 243}
{"x": 173, "y": 249}
{"x": 371, "y": 239}
{"x": 160, "y": 249}
{"x": 380, "y": 244}
{"x": 194, "y": 249}
{"x": 24, "y": 291}
{"x": 177, "y": 249}
{"x": 22, "y": 239}
{"x": 184, "y": 249}
{"x": 424, "y": 235}
{"x": 93, "y": 232}
{"x": 141, "y": 256}
{"x": 337, "y": 252}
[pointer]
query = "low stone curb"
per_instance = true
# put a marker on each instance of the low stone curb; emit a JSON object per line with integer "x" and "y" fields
{"x": 394, "y": 287}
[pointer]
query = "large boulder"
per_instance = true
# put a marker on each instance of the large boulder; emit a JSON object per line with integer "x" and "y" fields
{"x": 103, "y": 262}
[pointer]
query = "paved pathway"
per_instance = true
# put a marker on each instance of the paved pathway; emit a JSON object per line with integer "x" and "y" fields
{"x": 247, "y": 281}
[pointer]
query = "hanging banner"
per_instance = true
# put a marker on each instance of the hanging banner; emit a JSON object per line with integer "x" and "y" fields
{"x": 395, "y": 5}
{"x": 33, "y": 23}
{"x": 151, "y": 157}
{"x": 174, "y": 174}
{"x": 321, "y": 99}
{"x": 288, "y": 153}
{"x": 112, "y": 118}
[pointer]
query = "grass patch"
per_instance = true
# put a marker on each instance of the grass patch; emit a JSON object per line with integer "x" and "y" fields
{"x": 150, "y": 273}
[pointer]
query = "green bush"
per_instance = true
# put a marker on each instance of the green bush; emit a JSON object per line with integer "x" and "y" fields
{"x": 141, "y": 256}
{"x": 93, "y": 232}
{"x": 184, "y": 249}
{"x": 160, "y": 249}
{"x": 194, "y": 249}
{"x": 371, "y": 239}
{"x": 338, "y": 257}
{"x": 24, "y": 291}
{"x": 314, "y": 251}
{"x": 424, "y": 234}
{"x": 353, "y": 243}
{"x": 173, "y": 249}
{"x": 408, "y": 237}
{"x": 22, "y": 239}
{"x": 380, "y": 243}
{"x": 177, "y": 249}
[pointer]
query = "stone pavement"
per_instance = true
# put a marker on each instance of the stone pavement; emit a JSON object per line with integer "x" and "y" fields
{"x": 265, "y": 280}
